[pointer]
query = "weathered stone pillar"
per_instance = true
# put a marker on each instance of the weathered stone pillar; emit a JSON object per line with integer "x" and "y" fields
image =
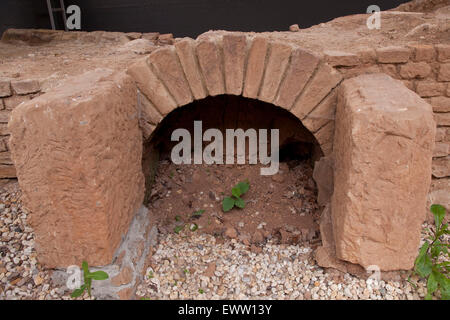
{"x": 383, "y": 146}
{"x": 78, "y": 153}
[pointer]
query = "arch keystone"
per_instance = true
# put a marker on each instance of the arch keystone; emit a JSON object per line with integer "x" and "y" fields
{"x": 255, "y": 67}
{"x": 210, "y": 61}
{"x": 234, "y": 54}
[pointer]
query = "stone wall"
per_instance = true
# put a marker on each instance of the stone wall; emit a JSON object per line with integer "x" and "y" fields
{"x": 424, "y": 69}
{"x": 12, "y": 93}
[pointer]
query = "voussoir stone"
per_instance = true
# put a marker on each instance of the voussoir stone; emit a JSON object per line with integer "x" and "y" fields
{"x": 211, "y": 66}
{"x": 255, "y": 67}
{"x": 78, "y": 154}
{"x": 234, "y": 54}
{"x": 276, "y": 65}
{"x": 383, "y": 145}
{"x": 325, "y": 79}
{"x": 303, "y": 63}
{"x": 186, "y": 54}
{"x": 168, "y": 69}
{"x": 150, "y": 85}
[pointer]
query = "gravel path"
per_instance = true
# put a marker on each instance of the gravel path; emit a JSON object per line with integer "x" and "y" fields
{"x": 191, "y": 265}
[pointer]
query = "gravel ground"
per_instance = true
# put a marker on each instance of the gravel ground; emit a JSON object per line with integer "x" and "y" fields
{"x": 191, "y": 265}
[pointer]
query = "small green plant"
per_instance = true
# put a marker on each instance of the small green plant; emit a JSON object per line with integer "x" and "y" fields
{"x": 201, "y": 291}
{"x": 88, "y": 277}
{"x": 428, "y": 265}
{"x": 198, "y": 213}
{"x": 237, "y": 191}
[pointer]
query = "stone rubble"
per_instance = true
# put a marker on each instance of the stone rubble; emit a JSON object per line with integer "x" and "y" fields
{"x": 191, "y": 265}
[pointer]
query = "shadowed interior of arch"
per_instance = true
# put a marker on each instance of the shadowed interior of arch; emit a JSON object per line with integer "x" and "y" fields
{"x": 286, "y": 200}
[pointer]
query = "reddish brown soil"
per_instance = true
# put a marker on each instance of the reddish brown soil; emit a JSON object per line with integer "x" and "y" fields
{"x": 281, "y": 207}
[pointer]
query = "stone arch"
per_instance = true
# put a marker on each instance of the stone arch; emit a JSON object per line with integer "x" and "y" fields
{"x": 255, "y": 67}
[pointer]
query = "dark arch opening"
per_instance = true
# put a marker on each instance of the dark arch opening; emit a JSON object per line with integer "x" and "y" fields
{"x": 287, "y": 198}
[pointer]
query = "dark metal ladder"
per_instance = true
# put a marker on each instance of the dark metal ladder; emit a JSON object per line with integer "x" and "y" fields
{"x": 52, "y": 10}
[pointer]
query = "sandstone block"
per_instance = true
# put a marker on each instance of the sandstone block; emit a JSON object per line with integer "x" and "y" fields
{"x": 79, "y": 166}
{"x": 442, "y": 119}
{"x": 322, "y": 114}
{"x": 4, "y": 129}
{"x": 211, "y": 66}
{"x": 279, "y": 54}
{"x": 443, "y": 134}
{"x": 150, "y": 85}
{"x": 5, "y": 88}
{"x": 5, "y": 158}
{"x": 440, "y": 104}
{"x": 430, "y": 89}
{"x": 323, "y": 175}
{"x": 425, "y": 53}
{"x": 367, "y": 56}
{"x": 441, "y": 149}
{"x": 413, "y": 70}
{"x": 168, "y": 69}
{"x": 14, "y": 101}
{"x": 441, "y": 167}
{"x": 4, "y": 116}
{"x": 439, "y": 193}
{"x": 185, "y": 51}
{"x": 234, "y": 54}
{"x": 7, "y": 171}
{"x": 303, "y": 63}
{"x": 444, "y": 72}
{"x": 383, "y": 146}
{"x": 393, "y": 54}
{"x": 341, "y": 59}
{"x": 25, "y": 86}
{"x": 255, "y": 67}
{"x": 147, "y": 110}
{"x": 443, "y": 52}
{"x": 325, "y": 138}
{"x": 325, "y": 79}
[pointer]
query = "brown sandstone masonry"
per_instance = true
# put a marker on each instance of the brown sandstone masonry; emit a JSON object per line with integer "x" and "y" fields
{"x": 188, "y": 59}
{"x": 168, "y": 69}
{"x": 383, "y": 146}
{"x": 255, "y": 67}
{"x": 79, "y": 165}
{"x": 234, "y": 55}
{"x": 277, "y": 62}
{"x": 211, "y": 66}
{"x": 302, "y": 66}
{"x": 150, "y": 85}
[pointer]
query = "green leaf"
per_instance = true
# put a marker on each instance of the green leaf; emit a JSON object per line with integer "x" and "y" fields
{"x": 193, "y": 227}
{"x": 177, "y": 218}
{"x": 444, "y": 284}
{"x": 98, "y": 275}
{"x": 439, "y": 214}
{"x": 85, "y": 268}
{"x": 227, "y": 204}
{"x": 432, "y": 283}
{"x": 240, "y": 203}
{"x": 78, "y": 292}
{"x": 177, "y": 229}
{"x": 88, "y": 282}
{"x": 198, "y": 213}
{"x": 243, "y": 186}
{"x": 236, "y": 191}
{"x": 423, "y": 262}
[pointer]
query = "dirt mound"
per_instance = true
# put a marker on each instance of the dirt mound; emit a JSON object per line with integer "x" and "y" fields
{"x": 281, "y": 207}
{"x": 422, "y": 5}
